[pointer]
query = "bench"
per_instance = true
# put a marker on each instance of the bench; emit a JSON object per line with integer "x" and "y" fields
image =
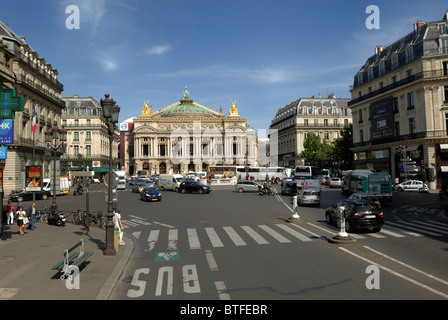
{"x": 72, "y": 260}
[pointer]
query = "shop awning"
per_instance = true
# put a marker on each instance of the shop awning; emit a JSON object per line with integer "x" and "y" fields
{"x": 443, "y": 146}
{"x": 99, "y": 169}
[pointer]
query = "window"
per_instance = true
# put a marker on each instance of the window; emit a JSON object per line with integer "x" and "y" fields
{"x": 411, "y": 125}
{"x": 306, "y": 122}
{"x": 88, "y": 136}
{"x": 76, "y": 136}
{"x": 444, "y": 46}
{"x": 88, "y": 150}
{"x": 382, "y": 68}
{"x": 445, "y": 90}
{"x": 76, "y": 123}
{"x": 335, "y": 122}
{"x": 88, "y": 122}
{"x": 409, "y": 73}
{"x": 409, "y": 54}
{"x": 396, "y": 129}
{"x": 360, "y": 80}
{"x": 326, "y": 135}
{"x": 410, "y": 100}
{"x": 395, "y": 105}
{"x": 445, "y": 68}
{"x": 326, "y": 122}
{"x": 442, "y": 28}
{"x": 360, "y": 116}
{"x": 394, "y": 62}
{"x": 361, "y": 136}
{"x": 75, "y": 151}
{"x": 370, "y": 74}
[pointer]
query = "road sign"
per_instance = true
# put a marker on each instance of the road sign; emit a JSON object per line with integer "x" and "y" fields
{"x": 10, "y": 103}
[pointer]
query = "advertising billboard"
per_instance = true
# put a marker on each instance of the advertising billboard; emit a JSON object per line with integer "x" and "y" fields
{"x": 382, "y": 119}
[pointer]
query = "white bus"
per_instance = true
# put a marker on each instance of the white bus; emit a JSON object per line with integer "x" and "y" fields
{"x": 241, "y": 172}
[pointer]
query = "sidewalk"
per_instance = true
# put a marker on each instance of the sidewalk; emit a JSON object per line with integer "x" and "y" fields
{"x": 26, "y": 263}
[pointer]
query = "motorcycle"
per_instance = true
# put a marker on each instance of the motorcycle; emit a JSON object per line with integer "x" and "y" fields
{"x": 78, "y": 191}
{"x": 57, "y": 219}
{"x": 263, "y": 190}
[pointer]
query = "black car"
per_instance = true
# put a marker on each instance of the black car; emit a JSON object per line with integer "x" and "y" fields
{"x": 151, "y": 194}
{"x": 194, "y": 186}
{"x": 28, "y": 195}
{"x": 359, "y": 214}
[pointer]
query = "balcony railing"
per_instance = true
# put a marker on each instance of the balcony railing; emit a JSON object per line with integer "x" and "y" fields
{"x": 421, "y": 75}
{"x": 405, "y": 137}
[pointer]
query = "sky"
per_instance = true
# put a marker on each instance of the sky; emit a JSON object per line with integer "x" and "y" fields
{"x": 262, "y": 54}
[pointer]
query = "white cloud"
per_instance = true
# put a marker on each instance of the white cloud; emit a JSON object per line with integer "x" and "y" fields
{"x": 109, "y": 62}
{"x": 158, "y": 49}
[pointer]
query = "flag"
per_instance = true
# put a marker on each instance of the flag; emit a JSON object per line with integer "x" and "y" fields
{"x": 34, "y": 123}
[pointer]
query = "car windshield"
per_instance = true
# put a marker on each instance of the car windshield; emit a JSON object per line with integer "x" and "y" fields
{"x": 368, "y": 207}
{"x": 310, "y": 193}
{"x": 151, "y": 190}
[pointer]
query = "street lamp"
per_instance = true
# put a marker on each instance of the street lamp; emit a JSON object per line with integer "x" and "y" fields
{"x": 55, "y": 138}
{"x": 110, "y": 113}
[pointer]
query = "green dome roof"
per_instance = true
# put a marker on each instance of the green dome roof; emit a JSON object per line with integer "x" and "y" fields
{"x": 185, "y": 109}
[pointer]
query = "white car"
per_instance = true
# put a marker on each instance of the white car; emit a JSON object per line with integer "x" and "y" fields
{"x": 335, "y": 182}
{"x": 412, "y": 185}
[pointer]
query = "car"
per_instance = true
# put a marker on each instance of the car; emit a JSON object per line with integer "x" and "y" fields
{"x": 141, "y": 184}
{"x": 194, "y": 186}
{"x": 335, "y": 182}
{"x": 28, "y": 195}
{"x": 307, "y": 196}
{"x": 121, "y": 185}
{"x": 289, "y": 187}
{"x": 151, "y": 194}
{"x": 246, "y": 186}
{"x": 412, "y": 185}
{"x": 359, "y": 215}
{"x": 364, "y": 196}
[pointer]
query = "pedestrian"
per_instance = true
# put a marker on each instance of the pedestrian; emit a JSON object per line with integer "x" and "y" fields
{"x": 21, "y": 220}
{"x": 31, "y": 214}
{"x": 118, "y": 225}
{"x": 9, "y": 213}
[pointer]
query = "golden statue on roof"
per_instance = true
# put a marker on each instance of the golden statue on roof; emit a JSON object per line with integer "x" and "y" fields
{"x": 233, "y": 112}
{"x": 147, "y": 109}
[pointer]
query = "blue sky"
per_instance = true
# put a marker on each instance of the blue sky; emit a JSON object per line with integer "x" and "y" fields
{"x": 261, "y": 53}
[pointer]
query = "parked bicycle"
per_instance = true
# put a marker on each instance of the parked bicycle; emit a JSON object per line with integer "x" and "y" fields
{"x": 96, "y": 218}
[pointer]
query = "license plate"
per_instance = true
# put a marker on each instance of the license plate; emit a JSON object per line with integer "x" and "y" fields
{"x": 370, "y": 216}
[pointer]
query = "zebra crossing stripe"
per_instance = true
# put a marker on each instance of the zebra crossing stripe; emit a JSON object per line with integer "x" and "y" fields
{"x": 254, "y": 235}
{"x": 152, "y": 239}
{"x": 293, "y": 232}
{"x": 415, "y": 234}
{"x": 172, "y": 239}
{"x": 393, "y": 234}
{"x": 214, "y": 239}
{"x": 193, "y": 238}
{"x": 274, "y": 234}
{"x": 432, "y": 225}
{"x": 412, "y": 226}
{"x": 237, "y": 240}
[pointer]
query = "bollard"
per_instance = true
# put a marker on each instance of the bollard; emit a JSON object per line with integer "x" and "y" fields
{"x": 342, "y": 236}
{"x": 295, "y": 209}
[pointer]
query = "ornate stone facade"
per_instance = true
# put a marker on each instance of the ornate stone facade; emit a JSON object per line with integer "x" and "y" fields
{"x": 186, "y": 136}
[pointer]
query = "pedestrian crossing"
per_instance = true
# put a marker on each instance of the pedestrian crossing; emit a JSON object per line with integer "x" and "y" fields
{"x": 169, "y": 236}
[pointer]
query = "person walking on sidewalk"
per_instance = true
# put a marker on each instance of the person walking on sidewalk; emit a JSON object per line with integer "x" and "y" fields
{"x": 9, "y": 213}
{"x": 31, "y": 214}
{"x": 118, "y": 225}
{"x": 21, "y": 215}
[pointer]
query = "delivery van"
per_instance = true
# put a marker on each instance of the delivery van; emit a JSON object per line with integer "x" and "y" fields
{"x": 170, "y": 181}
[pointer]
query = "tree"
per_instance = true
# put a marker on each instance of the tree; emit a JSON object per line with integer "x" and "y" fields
{"x": 342, "y": 153}
{"x": 315, "y": 152}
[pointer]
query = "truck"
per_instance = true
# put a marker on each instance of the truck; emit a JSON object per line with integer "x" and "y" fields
{"x": 170, "y": 181}
{"x": 121, "y": 175}
{"x": 64, "y": 185}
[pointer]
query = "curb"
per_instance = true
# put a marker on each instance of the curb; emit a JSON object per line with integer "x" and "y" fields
{"x": 112, "y": 280}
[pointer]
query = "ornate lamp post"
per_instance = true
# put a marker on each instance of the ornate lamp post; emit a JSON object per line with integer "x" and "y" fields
{"x": 55, "y": 137}
{"x": 110, "y": 113}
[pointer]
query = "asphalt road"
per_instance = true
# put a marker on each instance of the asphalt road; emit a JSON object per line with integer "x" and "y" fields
{"x": 231, "y": 246}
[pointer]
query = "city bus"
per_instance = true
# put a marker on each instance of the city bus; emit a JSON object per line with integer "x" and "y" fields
{"x": 308, "y": 172}
{"x": 241, "y": 172}
{"x": 367, "y": 182}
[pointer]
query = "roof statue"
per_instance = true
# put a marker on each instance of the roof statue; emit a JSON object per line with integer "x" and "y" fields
{"x": 186, "y": 94}
{"x": 233, "y": 112}
{"x": 146, "y": 110}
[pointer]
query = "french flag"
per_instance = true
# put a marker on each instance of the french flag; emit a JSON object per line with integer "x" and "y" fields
{"x": 34, "y": 123}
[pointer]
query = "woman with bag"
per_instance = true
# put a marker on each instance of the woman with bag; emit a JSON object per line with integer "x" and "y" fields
{"x": 21, "y": 220}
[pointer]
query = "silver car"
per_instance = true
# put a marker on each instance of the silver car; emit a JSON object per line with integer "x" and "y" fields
{"x": 245, "y": 186}
{"x": 307, "y": 196}
{"x": 412, "y": 185}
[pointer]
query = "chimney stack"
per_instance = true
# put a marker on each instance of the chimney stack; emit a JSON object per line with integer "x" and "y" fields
{"x": 419, "y": 24}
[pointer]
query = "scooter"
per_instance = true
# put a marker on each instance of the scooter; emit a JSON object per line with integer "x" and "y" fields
{"x": 58, "y": 219}
{"x": 262, "y": 190}
{"x": 78, "y": 191}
